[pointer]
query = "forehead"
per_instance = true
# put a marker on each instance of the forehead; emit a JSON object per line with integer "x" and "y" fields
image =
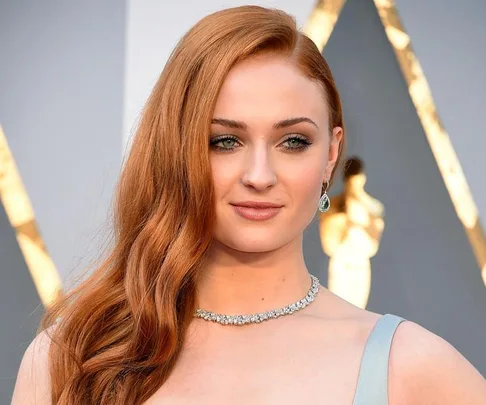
{"x": 268, "y": 88}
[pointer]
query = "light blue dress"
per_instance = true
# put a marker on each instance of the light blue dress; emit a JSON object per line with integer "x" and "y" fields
{"x": 372, "y": 387}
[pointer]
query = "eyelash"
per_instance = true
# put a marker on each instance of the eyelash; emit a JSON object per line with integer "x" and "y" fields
{"x": 304, "y": 142}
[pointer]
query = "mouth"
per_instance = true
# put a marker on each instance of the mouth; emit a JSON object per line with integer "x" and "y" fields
{"x": 257, "y": 211}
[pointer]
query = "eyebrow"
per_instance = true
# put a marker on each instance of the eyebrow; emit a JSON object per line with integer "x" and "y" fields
{"x": 281, "y": 124}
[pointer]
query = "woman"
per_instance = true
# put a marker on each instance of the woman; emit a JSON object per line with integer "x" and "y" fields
{"x": 241, "y": 134}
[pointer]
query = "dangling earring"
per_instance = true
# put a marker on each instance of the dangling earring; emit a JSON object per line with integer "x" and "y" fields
{"x": 325, "y": 201}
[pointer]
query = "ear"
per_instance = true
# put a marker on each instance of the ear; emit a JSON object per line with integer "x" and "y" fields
{"x": 335, "y": 141}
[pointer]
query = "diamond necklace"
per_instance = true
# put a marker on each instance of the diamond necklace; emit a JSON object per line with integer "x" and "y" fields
{"x": 261, "y": 316}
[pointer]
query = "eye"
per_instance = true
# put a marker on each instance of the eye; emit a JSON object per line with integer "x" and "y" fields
{"x": 223, "y": 143}
{"x": 296, "y": 142}
{"x": 227, "y": 143}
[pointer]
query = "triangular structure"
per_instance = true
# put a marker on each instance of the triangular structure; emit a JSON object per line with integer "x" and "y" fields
{"x": 320, "y": 26}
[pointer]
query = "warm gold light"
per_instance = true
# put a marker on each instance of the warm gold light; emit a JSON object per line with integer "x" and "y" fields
{"x": 322, "y": 20}
{"x": 439, "y": 141}
{"x": 350, "y": 235}
{"x": 21, "y": 216}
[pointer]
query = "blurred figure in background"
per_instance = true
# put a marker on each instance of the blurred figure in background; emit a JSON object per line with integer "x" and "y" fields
{"x": 350, "y": 235}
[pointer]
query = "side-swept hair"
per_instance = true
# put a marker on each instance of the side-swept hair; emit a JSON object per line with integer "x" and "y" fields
{"x": 123, "y": 328}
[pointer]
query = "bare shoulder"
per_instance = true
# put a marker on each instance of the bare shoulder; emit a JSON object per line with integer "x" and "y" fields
{"x": 33, "y": 384}
{"x": 424, "y": 368}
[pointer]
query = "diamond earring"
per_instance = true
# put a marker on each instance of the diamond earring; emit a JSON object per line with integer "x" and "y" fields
{"x": 325, "y": 201}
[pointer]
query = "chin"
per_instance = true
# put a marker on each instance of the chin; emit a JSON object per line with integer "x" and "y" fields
{"x": 253, "y": 247}
{"x": 253, "y": 241}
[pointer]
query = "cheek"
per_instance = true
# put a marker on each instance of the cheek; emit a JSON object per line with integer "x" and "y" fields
{"x": 225, "y": 174}
{"x": 305, "y": 182}
{"x": 306, "y": 175}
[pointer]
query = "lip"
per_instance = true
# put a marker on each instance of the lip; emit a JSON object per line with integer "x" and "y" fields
{"x": 257, "y": 211}
{"x": 257, "y": 204}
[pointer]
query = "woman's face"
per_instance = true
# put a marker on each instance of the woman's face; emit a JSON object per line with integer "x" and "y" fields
{"x": 270, "y": 143}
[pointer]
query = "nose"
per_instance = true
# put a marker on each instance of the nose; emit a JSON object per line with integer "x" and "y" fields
{"x": 259, "y": 172}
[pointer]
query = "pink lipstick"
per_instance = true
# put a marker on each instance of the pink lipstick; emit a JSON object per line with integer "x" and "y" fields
{"x": 256, "y": 211}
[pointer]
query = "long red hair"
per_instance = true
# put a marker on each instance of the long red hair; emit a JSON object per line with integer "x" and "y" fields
{"x": 122, "y": 328}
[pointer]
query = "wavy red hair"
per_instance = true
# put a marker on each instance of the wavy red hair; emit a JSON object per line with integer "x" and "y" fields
{"x": 122, "y": 329}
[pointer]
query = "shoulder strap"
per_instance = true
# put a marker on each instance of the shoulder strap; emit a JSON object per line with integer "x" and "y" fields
{"x": 372, "y": 387}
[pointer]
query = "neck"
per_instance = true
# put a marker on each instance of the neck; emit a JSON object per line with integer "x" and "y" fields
{"x": 239, "y": 283}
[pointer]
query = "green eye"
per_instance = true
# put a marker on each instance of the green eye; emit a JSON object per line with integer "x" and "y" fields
{"x": 297, "y": 142}
{"x": 227, "y": 143}
{"x": 223, "y": 143}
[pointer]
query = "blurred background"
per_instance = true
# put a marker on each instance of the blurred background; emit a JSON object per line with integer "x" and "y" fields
{"x": 410, "y": 210}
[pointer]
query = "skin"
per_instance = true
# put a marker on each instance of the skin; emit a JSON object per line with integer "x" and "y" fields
{"x": 313, "y": 355}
